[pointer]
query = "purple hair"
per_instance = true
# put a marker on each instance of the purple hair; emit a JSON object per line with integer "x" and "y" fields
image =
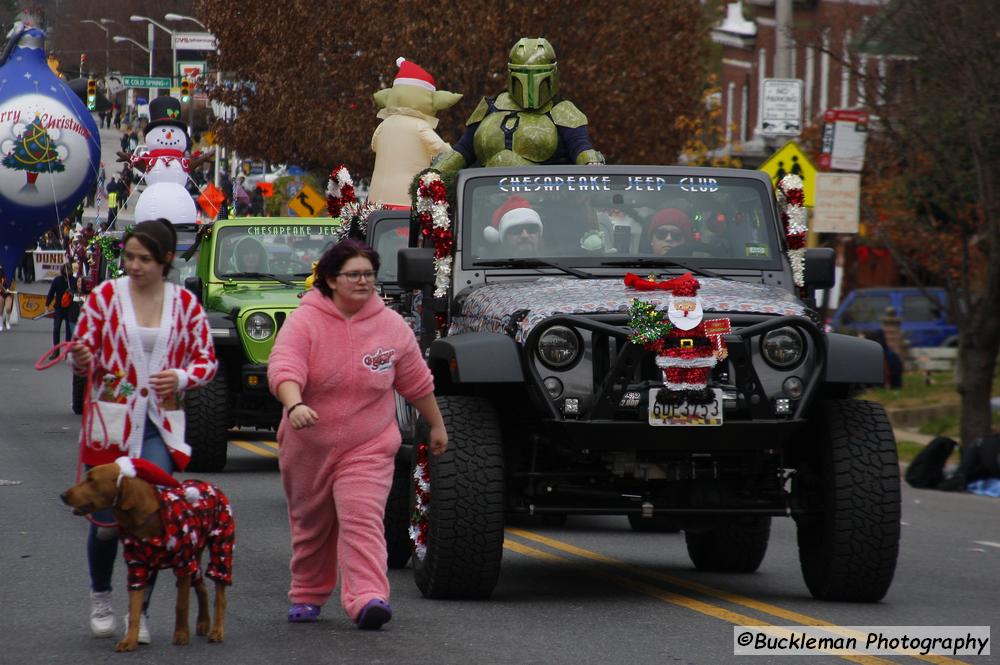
{"x": 334, "y": 259}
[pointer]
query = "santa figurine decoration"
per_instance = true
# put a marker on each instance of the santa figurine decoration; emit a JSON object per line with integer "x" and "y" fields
{"x": 165, "y": 167}
{"x": 687, "y": 347}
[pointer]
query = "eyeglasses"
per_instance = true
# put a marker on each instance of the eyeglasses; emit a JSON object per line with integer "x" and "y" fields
{"x": 521, "y": 228}
{"x": 664, "y": 232}
{"x": 356, "y": 276}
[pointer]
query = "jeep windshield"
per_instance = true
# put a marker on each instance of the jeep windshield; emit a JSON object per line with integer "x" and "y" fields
{"x": 270, "y": 252}
{"x": 619, "y": 220}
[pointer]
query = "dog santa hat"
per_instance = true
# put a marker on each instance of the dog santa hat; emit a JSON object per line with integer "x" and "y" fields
{"x": 410, "y": 73}
{"x": 143, "y": 469}
{"x": 515, "y": 211}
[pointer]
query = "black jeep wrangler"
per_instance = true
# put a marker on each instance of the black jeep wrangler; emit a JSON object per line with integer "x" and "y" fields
{"x": 552, "y": 410}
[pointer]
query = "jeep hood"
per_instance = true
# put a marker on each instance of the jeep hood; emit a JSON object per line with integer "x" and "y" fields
{"x": 267, "y": 297}
{"x": 515, "y": 308}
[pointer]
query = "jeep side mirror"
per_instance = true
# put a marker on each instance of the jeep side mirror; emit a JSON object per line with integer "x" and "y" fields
{"x": 193, "y": 284}
{"x": 415, "y": 268}
{"x": 820, "y": 267}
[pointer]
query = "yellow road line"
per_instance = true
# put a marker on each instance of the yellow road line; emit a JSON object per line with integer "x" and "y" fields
{"x": 270, "y": 444}
{"x": 676, "y": 599}
{"x": 246, "y": 445}
{"x": 760, "y": 606}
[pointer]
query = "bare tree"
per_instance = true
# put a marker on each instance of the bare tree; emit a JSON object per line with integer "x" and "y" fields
{"x": 933, "y": 170}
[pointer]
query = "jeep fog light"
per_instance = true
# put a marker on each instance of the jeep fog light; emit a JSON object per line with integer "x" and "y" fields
{"x": 558, "y": 347}
{"x": 782, "y": 348}
{"x": 553, "y": 386}
{"x": 792, "y": 387}
{"x": 259, "y": 326}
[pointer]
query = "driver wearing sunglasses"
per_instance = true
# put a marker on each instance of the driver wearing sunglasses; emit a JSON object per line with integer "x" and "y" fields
{"x": 670, "y": 229}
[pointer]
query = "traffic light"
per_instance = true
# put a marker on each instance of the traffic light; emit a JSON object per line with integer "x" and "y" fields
{"x": 92, "y": 94}
{"x": 185, "y": 90}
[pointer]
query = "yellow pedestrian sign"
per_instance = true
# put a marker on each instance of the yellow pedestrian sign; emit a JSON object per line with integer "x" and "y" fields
{"x": 308, "y": 203}
{"x": 790, "y": 159}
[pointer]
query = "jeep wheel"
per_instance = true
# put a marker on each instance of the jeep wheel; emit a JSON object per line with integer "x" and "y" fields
{"x": 208, "y": 425}
{"x": 79, "y": 386}
{"x": 655, "y": 524}
{"x": 733, "y": 544}
{"x": 397, "y": 514}
{"x": 848, "y": 548}
{"x": 464, "y": 541}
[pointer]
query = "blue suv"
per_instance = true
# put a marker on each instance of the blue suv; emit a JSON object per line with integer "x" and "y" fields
{"x": 925, "y": 323}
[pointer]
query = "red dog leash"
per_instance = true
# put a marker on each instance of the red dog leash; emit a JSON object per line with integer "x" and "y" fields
{"x": 54, "y": 356}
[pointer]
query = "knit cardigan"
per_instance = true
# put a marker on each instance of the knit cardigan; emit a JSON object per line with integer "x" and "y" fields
{"x": 108, "y": 327}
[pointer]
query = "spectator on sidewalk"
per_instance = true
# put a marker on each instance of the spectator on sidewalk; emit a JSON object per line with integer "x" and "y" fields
{"x": 6, "y": 301}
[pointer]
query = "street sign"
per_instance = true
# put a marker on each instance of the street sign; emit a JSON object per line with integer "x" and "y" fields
{"x": 193, "y": 41}
{"x": 308, "y": 203}
{"x": 790, "y": 159}
{"x": 146, "y": 81}
{"x": 838, "y": 197}
{"x": 845, "y": 133}
{"x": 191, "y": 70}
{"x": 781, "y": 107}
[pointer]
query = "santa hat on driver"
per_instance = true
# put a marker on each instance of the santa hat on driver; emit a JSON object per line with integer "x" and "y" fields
{"x": 515, "y": 211}
{"x": 410, "y": 73}
{"x": 145, "y": 470}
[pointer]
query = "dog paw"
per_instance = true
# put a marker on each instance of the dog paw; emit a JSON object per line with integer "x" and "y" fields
{"x": 182, "y": 637}
{"x": 216, "y": 635}
{"x": 201, "y": 628}
{"x": 126, "y": 645}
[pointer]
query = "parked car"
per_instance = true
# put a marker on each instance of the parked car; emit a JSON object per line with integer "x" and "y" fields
{"x": 552, "y": 410}
{"x": 925, "y": 322}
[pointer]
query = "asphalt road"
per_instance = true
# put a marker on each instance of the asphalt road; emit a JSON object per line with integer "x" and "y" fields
{"x": 590, "y": 591}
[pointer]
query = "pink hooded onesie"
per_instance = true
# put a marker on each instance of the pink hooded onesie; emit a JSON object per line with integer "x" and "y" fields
{"x": 337, "y": 473}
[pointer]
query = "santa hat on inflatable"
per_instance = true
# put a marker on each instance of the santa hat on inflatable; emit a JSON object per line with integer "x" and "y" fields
{"x": 410, "y": 73}
{"x": 515, "y": 211}
{"x": 129, "y": 467}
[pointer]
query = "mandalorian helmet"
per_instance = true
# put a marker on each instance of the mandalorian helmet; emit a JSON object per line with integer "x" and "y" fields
{"x": 532, "y": 74}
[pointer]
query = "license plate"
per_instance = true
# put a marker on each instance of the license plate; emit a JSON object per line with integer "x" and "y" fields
{"x": 683, "y": 413}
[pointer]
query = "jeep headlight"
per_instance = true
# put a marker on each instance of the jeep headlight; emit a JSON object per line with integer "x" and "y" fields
{"x": 259, "y": 326}
{"x": 783, "y": 348}
{"x": 558, "y": 347}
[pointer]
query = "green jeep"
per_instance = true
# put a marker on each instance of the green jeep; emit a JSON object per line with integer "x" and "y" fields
{"x": 250, "y": 274}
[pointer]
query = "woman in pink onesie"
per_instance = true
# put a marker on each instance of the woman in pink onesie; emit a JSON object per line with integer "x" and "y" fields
{"x": 334, "y": 367}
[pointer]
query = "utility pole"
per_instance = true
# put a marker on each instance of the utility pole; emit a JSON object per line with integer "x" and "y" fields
{"x": 782, "y": 39}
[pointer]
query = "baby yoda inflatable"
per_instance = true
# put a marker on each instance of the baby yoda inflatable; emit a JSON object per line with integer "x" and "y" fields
{"x": 405, "y": 142}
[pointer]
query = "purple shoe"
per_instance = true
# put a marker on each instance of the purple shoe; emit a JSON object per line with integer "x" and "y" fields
{"x": 303, "y": 613}
{"x": 374, "y": 614}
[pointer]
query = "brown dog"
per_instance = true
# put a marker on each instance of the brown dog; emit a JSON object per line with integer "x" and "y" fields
{"x": 156, "y": 525}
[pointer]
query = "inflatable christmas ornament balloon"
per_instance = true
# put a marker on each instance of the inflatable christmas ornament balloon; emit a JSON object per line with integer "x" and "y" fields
{"x": 164, "y": 165}
{"x": 49, "y": 145}
{"x": 405, "y": 142}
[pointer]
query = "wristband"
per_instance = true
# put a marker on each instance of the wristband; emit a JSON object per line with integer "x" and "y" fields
{"x": 295, "y": 406}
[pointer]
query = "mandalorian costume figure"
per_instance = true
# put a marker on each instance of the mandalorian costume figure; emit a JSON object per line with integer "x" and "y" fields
{"x": 529, "y": 123}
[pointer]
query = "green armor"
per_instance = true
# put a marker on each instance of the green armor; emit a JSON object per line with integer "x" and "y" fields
{"x": 534, "y": 136}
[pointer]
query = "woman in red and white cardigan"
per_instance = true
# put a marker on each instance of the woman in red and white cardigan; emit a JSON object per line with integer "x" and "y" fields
{"x": 145, "y": 341}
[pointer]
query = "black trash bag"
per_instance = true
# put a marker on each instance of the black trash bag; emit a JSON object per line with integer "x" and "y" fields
{"x": 980, "y": 459}
{"x": 927, "y": 468}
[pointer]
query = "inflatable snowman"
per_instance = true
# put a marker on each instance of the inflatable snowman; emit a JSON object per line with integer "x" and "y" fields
{"x": 165, "y": 166}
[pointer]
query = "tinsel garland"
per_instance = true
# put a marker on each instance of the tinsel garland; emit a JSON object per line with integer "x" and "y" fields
{"x": 649, "y": 327}
{"x": 339, "y": 190}
{"x": 342, "y": 201}
{"x": 421, "y": 506}
{"x": 791, "y": 198}
{"x": 435, "y": 227}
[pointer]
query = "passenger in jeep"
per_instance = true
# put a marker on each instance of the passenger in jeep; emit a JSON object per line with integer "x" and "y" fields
{"x": 671, "y": 228}
{"x": 517, "y": 227}
{"x": 249, "y": 256}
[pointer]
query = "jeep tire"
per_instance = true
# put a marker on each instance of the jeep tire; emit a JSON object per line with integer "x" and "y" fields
{"x": 733, "y": 544}
{"x": 466, "y": 509}
{"x": 849, "y": 545}
{"x": 207, "y": 412}
{"x": 397, "y": 513}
